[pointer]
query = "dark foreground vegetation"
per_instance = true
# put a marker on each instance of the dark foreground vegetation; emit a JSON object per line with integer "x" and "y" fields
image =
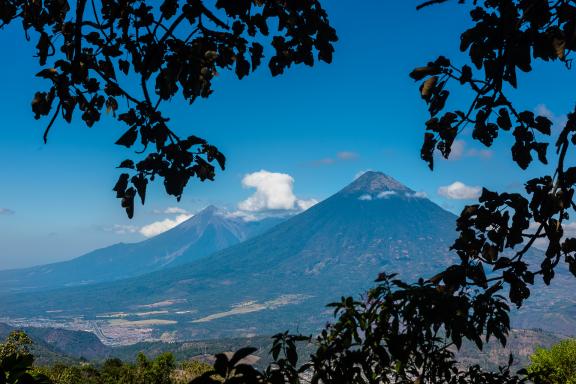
{"x": 338, "y": 347}
{"x": 17, "y": 365}
{"x": 556, "y": 365}
{"x": 389, "y": 324}
{"x": 161, "y": 370}
{"x": 399, "y": 332}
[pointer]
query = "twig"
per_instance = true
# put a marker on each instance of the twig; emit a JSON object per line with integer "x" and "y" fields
{"x": 428, "y": 3}
{"x": 51, "y": 123}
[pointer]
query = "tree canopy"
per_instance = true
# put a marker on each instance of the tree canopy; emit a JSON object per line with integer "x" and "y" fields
{"x": 93, "y": 52}
{"x": 159, "y": 370}
{"x": 16, "y": 361}
{"x": 404, "y": 332}
{"x": 554, "y": 365}
{"x": 399, "y": 332}
{"x": 507, "y": 36}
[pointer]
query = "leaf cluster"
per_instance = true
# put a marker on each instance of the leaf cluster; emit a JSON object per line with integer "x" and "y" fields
{"x": 398, "y": 333}
{"x": 556, "y": 365}
{"x": 94, "y": 51}
{"x": 16, "y": 361}
{"x": 497, "y": 234}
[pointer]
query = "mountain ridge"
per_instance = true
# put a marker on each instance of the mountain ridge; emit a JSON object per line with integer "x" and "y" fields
{"x": 208, "y": 231}
{"x": 374, "y": 182}
{"x": 282, "y": 277}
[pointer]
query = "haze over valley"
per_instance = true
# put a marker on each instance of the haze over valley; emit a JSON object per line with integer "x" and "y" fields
{"x": 217, "y": 276}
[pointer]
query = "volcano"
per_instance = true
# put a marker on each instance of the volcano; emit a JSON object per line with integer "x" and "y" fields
{"x": 283, "y": 277}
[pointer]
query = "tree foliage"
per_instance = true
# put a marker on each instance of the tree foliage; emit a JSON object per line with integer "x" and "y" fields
{"x": 16, "y": 361}
{"x": 189, "y": 370}
{"x": 70, "y": 374}
{"x": 17, "y": 343}
{"x": 556, "y": 365}
{"x": 496, "y": 234}
{"x": 507, "y": 36}
{"x": 160, "y": 370}
{"x": 93, "y": 52}
{"x": 399, "y": 332}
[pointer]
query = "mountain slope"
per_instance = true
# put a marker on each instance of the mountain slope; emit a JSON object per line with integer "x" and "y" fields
{"x": 52, "y": 345}
{"x": 281, "y": 278}
{"x": 205, "y": 233}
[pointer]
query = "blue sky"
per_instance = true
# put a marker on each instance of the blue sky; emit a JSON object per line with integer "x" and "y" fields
{"x": 319, "y": 125}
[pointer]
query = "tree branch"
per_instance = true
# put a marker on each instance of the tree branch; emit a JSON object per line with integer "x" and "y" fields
{"x": 51, "y": 123}
{"x": 428, "y": 3}
{"x": 80, "y": 6}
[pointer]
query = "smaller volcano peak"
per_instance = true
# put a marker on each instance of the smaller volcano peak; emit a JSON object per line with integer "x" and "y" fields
{"x": 209, "y": 210}
{"x": 205, "y": 216}
{"x": 375, "y": 182}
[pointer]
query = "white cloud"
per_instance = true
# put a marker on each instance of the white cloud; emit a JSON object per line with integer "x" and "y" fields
{"x": 306, "y": 204}
{"x": 417, "y": 195}
{"x": 123, "y": 229}
{"x": 386, "y": 194}
{"x": 459, "y": 191}
{"x": 6, "y": 211}
{"x": 481, "y": 153}
{"x": 161, "y": 226}
{"x": 274, "y": 191}
{"x": 558, "y": 121}
{"x": 340, "y": 156}
{"x": 157, "y": 227}
{"x": 347, "y": 155}
{"x": 119, "y": 229}
{"x": 325, "y": 161}
{"x": 170, "y": 211}
{"x": 542, "y": 109}
{"x": 240, "y": 215}
{"x": 179, "y": 210}
{"x": 457, "y": 149}
{"x": 460, "y": 150}
{"x": 381, "y": 195}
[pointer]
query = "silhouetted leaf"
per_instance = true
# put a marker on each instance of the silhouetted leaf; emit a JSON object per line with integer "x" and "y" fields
{"x": 241, "y": 354}
{"x": 128, "y": 138}
{"x": 140, "y": 182}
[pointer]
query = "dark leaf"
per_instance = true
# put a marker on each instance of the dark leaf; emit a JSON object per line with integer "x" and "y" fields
{"x": 126, "y": 164}
{"x": 140, "y": 182}
{"x": 428, "y": 86}
{"x": 128, "y": 138}
{"x": 422, "y": 72}
{"x": 121, "y": 185}
{"x": 241, "y": 354}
